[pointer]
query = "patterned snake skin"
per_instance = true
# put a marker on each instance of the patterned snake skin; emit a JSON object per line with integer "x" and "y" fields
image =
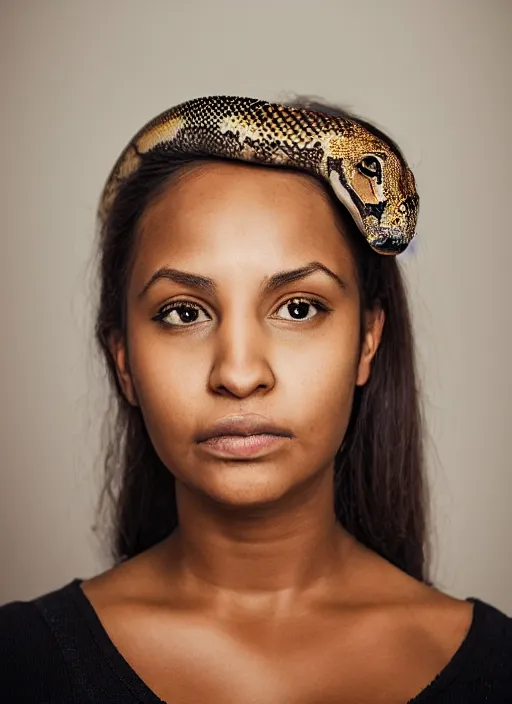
{"x": 366, "y": 172}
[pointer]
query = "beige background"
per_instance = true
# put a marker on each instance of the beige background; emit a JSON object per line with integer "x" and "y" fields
{"x": 77, "y": 79}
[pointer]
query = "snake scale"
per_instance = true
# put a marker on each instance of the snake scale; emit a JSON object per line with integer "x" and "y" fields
{"x": 367, "y": 173}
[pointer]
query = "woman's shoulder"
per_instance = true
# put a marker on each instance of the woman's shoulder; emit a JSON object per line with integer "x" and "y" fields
{"x": 483, "y": 662}
{"x": 468, "y": 641}
{"x": 29, "y": 651}
{"x": 473, "y": 640}
{"x": 23, "y": 627}
{"x": 491, "y": 625}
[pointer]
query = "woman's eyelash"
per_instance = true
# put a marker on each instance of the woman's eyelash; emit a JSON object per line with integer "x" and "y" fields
{"x": 174, "y": 305}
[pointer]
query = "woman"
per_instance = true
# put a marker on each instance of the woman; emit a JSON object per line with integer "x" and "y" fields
{"x": 270, "y": 524}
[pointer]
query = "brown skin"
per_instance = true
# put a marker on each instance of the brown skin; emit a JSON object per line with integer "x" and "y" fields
{"x": 259, "y": 595}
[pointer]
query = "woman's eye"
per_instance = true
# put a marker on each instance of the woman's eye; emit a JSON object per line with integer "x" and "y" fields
{"x": 179, "y": 314}
{"x": 298, "y": 307}
{"x": 184, "y": 313}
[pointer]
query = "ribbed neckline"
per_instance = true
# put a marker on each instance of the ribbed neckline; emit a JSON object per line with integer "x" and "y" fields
{"x": 123, "y": 670}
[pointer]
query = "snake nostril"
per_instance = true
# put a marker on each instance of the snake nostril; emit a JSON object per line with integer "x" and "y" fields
{"x": 392, "y": 244}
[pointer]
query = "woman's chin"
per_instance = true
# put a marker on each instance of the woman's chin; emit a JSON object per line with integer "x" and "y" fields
{"x": 246, "y": 484}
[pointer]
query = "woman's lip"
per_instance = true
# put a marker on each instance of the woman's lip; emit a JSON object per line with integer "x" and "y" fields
{"x": 242, "y": 445}
{"x": 247, "y": 424}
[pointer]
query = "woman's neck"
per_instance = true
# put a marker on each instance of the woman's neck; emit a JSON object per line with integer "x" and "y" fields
{"x": 274, "y": 556}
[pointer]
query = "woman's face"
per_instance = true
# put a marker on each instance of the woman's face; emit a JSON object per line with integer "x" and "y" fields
{"x": 238, "y": 347}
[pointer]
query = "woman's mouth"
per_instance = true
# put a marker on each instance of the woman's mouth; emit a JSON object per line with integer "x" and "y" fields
{"x": 242, "y": 445}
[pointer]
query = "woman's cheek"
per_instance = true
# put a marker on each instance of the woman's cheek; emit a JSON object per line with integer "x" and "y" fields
{"x": 166, "y": 382}
{"x": 319, "y": 386}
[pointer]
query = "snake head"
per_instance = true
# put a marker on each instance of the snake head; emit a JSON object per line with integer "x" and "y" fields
{"x": 373, "y": 181}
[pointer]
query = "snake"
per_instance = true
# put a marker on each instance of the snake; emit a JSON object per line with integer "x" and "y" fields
{"x": 366, "y": 171}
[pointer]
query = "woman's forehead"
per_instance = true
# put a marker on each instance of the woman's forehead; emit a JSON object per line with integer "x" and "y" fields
{"x": 217, "y": 208}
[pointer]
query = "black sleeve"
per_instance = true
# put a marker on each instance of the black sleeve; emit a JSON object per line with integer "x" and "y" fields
{"x": 32, "y": 669}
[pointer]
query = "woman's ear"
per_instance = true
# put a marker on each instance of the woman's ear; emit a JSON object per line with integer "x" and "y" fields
{"x": 119, "y": 352}
{"x": 374, "y": 324}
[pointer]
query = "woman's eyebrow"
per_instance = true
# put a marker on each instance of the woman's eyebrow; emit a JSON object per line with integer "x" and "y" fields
{"x": 269, "y": 284}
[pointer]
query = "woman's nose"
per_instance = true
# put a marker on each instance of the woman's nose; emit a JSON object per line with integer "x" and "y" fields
{"x": 241, "y": 363}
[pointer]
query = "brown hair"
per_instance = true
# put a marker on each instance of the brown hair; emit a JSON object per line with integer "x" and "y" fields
{"x": 380, "y": 490}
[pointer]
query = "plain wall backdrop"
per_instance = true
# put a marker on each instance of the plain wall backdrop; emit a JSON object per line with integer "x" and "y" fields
{"x": 78, "y": 78}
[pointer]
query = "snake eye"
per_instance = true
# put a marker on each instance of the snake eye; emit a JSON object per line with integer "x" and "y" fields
{"x": 370, "y": 166}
